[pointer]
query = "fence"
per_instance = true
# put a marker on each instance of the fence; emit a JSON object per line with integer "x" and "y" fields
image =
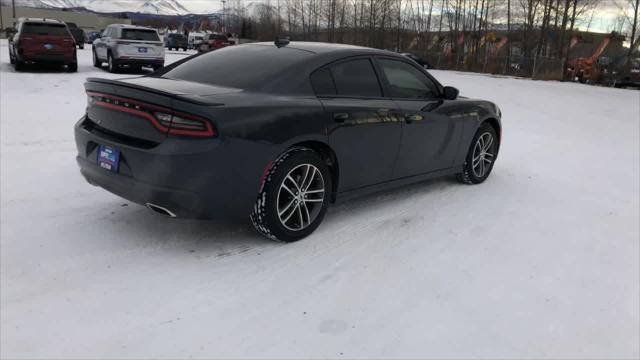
{"x": 542, "y": 68}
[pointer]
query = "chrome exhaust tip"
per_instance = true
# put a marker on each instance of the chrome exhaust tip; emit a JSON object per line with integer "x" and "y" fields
{"x": 160, "y": 210}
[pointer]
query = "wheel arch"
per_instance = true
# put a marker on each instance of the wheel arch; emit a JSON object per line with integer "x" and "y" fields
{"x": 330, "y": 158}
{"x": 495, "y": 124}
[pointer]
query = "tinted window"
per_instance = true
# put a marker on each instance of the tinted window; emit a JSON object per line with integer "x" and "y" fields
{"x": 138, "y": 34}
{"x": 322, "y": 82}
{"x": 356, "y": 78}
{"x": 406, "y": 81}
{"x": 217, "y": 37}
{"x": 44, "y": 29}
{"x": 242, "y": 66}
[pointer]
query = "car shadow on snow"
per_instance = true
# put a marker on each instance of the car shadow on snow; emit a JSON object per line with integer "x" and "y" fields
{"x": 223, "y": 239}
{"x": 38, "y": 68}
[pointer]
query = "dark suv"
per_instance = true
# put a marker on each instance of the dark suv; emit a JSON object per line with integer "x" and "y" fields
{"x": 42, "y": 41}
{"x": 177, "y": 41}
{"x": 78, "y": 34}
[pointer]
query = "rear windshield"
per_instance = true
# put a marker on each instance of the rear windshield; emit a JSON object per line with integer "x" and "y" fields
{"x": 44, "y": 29}
{"x": 137, "y": 34}
{"x": 179, "y": 36}
{"x": 217, "y": 37}
{"x": 236, "y": 66}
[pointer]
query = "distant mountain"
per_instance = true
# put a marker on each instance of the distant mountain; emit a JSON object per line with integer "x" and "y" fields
{"x": 159, "y": 7}
{"x": 163, "y": 7}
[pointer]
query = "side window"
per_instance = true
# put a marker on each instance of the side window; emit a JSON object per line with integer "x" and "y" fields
{"x": 106, "y": 32}
{"x": 322, "y": 82}
{"x": 406, "y": 81}
{"x": 356, "y": 78}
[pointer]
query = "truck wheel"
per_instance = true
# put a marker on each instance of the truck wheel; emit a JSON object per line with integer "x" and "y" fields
{"x": 19, "y": 65}
{"x": 96, "y": 62}
{"x": 72, "y": 67}
{"x": 113, "y": 68}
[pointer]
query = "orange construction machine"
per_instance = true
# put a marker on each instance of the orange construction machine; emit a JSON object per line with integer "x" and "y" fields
{"x": 582, "y": 68}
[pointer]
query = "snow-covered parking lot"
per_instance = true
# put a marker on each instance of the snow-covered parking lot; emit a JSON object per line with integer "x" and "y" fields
{"x": 540, "y": 261}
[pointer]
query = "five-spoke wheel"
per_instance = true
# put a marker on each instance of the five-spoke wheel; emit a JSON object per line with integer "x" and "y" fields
{"x": 481, "y": 156}
{"x": 300, "y": 197}
{"x": 294, "y": 196}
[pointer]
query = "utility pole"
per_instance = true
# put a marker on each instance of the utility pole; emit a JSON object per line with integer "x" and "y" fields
{"x": 13, "y": 5}
{"x": 224, "y": 15}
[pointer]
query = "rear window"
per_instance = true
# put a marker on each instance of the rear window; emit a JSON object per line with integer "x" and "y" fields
{"x": 235, "y": 66}
{"x": 137, "y": 34}
{"x": 217, "y": 37}
{"x": 44, "y": 29}
{"x": 356, "y": 78}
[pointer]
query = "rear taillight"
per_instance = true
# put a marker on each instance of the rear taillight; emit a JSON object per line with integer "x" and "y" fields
{"x": 183, "y": 124}
{"x": 164, "y": 119}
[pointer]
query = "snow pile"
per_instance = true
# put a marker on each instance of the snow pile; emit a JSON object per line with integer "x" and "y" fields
{"x": 541, "y": 261}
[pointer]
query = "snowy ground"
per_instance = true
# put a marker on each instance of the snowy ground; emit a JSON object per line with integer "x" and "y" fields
{"x": 541, "y": 261}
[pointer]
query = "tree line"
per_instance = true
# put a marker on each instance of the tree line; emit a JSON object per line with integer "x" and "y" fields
{"x": 464, "y": 32}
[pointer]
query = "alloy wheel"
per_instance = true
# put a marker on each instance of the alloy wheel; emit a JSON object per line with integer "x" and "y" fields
{"x": 483, "y": 154}
{"x": 300, "y": 197}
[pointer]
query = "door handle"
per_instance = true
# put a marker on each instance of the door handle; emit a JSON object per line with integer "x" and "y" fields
{"x": 409, "y": 118}
{"x": 340, "y": 117}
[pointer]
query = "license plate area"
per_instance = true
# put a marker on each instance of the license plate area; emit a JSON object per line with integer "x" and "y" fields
{"x": 142, "y": 50}
{"x": 108, "y": 158}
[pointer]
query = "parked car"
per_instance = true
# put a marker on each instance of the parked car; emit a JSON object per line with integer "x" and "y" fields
{"x": 422, "y": 62}
{"x": 629, "y": 76}
{"x": 42, "y": 41}
{"x": 127, "y": 45}
{"x": 78, "y": 34}
{"x": 92, "y": 36}
{"x": 215, "y": 41}
{"x": 177, "y": 41}
{"x": 195, "y": 39}
{"x": 313, "y": 124}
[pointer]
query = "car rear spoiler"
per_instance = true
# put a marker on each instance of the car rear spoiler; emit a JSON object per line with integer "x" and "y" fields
{"x": 190, "y": 98}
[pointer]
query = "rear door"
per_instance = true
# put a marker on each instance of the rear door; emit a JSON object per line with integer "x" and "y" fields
{"x": 362, "y": 126}
{"x": 430, "y": 137}
{"x": 102, "y": 42}
{"x": 140, "y": 43}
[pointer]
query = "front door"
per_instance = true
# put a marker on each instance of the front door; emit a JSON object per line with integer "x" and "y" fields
{"x": 430, "y": 137}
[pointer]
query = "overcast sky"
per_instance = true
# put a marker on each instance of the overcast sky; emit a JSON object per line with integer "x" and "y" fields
{"x": 602, "y": 17}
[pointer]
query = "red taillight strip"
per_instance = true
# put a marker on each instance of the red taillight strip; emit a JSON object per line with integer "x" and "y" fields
{"x": 143, "y": 114}
{"x": 207, "y": 133}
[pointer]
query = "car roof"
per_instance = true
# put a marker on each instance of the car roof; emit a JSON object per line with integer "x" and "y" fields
{"x": 41, "y": 20}
{"x": 325, "y": 48}
{"x": 127, "y": 26}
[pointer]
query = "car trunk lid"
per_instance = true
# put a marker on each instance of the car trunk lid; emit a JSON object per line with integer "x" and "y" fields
{"x": 136, "y": 108}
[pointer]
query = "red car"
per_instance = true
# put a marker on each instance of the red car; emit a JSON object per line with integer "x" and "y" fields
{"x": 42, "y": 41}
{"x": 215, "y": 41}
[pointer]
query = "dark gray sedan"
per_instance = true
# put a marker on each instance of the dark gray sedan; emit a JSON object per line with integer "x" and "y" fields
{"x": 278, "y": 132}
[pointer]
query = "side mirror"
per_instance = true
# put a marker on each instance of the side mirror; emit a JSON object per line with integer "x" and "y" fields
{"x": 450, "y": 93}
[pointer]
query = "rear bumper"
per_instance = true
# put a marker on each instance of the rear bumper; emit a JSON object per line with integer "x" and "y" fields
{"x": 139, "y": 61}
{"x": 201, "y": 179}
{"x": 51, "y": 58}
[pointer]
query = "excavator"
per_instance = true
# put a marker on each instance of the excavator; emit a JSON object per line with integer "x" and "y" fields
{"x": 582, "y": 68}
